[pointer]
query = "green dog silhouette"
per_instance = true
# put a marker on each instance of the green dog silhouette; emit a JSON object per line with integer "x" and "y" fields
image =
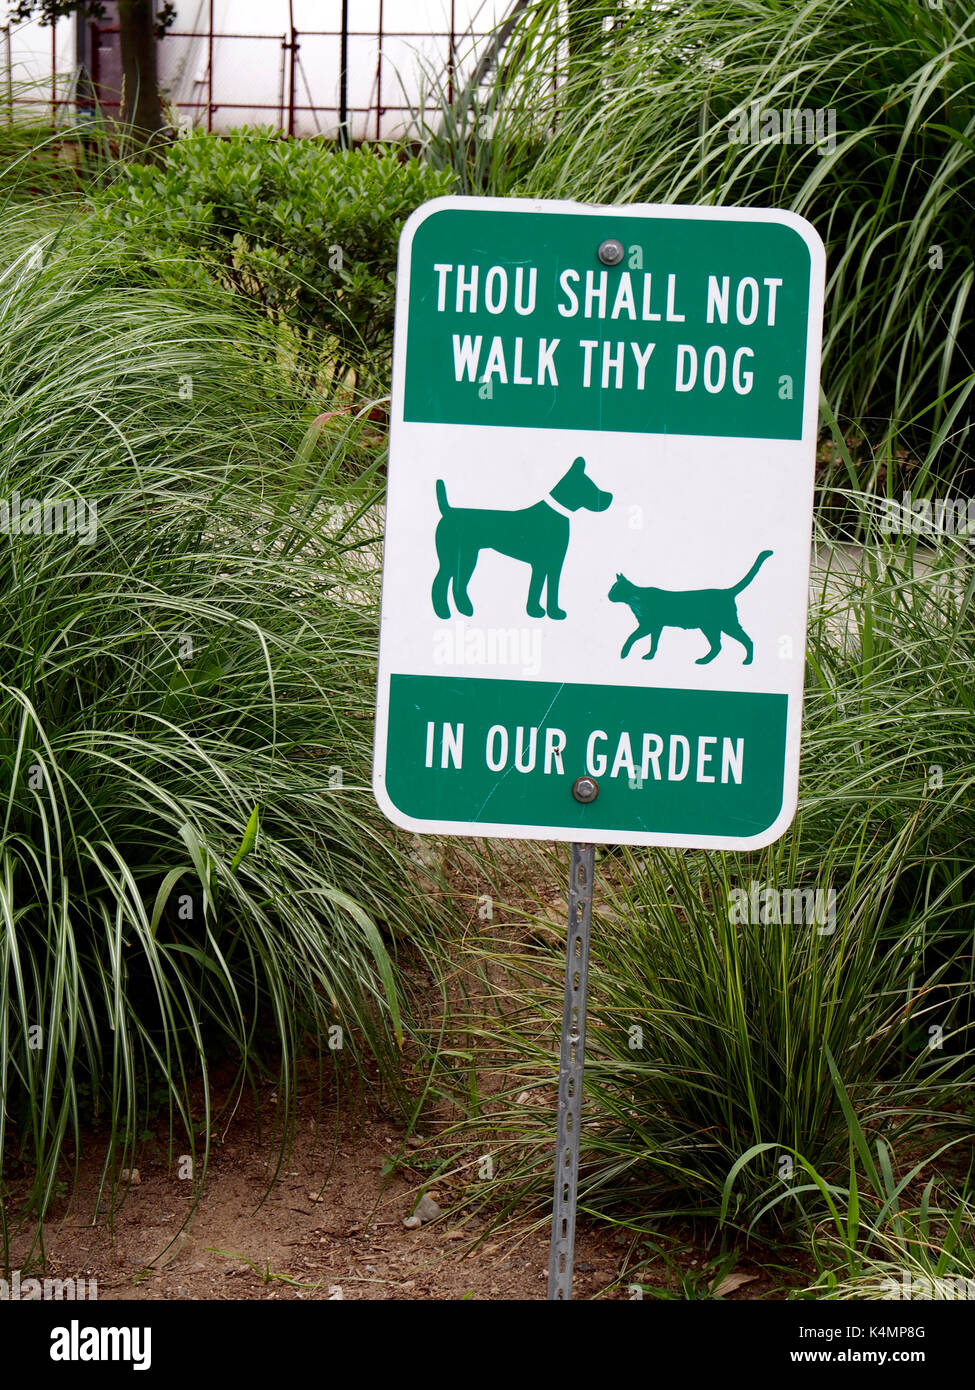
{"x": 714, "y": 611}
{"x": 539, "y": 535}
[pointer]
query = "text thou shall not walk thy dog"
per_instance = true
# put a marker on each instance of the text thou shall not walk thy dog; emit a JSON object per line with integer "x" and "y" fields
{"x": 609, "y": 363}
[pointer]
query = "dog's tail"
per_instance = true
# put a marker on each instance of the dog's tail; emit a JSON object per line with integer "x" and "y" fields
{"x": 442, "y": 502}
{"x": 744, "y": 583}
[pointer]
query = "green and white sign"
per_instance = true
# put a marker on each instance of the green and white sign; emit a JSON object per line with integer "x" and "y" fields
{"x": 598, "y": 523}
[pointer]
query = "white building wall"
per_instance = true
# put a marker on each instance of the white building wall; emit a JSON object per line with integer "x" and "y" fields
{"x": 251, "y": 75}
{"x": 26, "y": 62}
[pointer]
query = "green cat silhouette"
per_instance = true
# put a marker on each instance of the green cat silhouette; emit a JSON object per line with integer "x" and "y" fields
{"x": 714, "y": 611}
{"x": 539, "y": 535}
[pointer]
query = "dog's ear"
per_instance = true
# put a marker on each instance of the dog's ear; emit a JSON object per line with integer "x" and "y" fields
{"x": 619, "y": 576}
{"x": 578, "y": 463}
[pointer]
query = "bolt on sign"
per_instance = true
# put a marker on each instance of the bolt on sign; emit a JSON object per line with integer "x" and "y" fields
{"x": 598, "y": 526}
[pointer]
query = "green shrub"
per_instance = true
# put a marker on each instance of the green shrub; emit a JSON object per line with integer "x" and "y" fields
{"x": 191, "y": 865}
{"x": 307, "y": 231}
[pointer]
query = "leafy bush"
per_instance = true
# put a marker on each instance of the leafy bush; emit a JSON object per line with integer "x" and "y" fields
{"x": 307, "y": 231}
{"x": 191, "y": 865}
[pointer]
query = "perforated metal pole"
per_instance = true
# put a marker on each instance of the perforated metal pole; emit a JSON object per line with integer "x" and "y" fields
{"x": 571, "y": 1064}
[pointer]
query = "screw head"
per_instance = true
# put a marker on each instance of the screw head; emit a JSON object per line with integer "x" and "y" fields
{"x": 585, "y": 789}
{"x": 611, "y": 252}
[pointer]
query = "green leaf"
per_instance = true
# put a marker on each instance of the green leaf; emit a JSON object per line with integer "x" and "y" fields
{"x": 248, "y": 842}
{"x": 162, "y": 896}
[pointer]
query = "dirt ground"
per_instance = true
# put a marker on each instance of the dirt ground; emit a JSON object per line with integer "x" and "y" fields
{"x": 330, "y": 1227}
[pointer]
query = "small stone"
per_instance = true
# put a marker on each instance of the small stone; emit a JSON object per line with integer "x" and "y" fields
{"x": 412, "y": 1223}
{"x": 131, "y": 1175}
{"x": 335, "y": 1293}
{"x": 426, "y": 1209}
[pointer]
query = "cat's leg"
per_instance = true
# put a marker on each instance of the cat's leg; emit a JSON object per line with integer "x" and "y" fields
{"x": 466, "y": 561}
{"x": 715, "y": 639}
{"x": 534, "y": 607}
{"x": 641, "y": 631}
{"x": 736, "y": 631}
{"x": 654, "y": 639}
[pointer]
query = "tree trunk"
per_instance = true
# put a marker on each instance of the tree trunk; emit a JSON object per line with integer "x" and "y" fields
{"x": 141, "y": 105}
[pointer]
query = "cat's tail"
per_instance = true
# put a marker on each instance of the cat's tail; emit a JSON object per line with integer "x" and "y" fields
{"x": 442, "y": 502}
{"x": 744, "y": 583}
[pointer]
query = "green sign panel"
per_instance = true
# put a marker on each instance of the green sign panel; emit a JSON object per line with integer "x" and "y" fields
{"x": 652, "y": 752}
{"x": 693, "y": 333}
{"x": 598, "y": 521}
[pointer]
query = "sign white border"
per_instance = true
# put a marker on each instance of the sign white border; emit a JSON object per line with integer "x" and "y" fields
{"x": 810, "y": 426}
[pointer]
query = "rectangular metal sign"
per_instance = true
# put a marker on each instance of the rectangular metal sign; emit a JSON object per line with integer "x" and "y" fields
{"x": 598, "y": 523}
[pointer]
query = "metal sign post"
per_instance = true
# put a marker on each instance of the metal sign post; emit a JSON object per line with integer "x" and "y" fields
{"x": 571, "y": 1063}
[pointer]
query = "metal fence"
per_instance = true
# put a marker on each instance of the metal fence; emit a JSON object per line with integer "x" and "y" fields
{"x": 342, "y": 81}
